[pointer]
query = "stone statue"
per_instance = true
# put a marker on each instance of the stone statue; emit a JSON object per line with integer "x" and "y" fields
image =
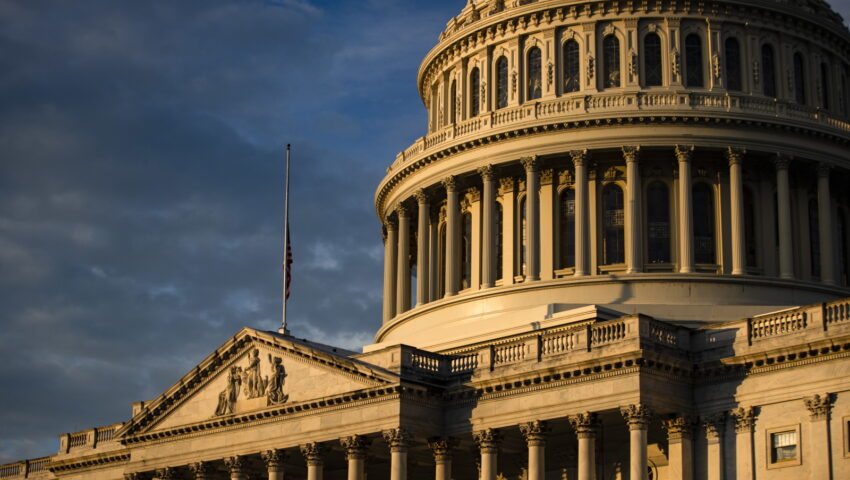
{"x": 227, "y": 398}
{"x": 255, "y": 387}
{"x": 274, "y": 393}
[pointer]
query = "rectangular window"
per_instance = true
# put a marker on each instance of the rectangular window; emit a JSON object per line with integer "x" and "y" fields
{"x": 783, "y": 446}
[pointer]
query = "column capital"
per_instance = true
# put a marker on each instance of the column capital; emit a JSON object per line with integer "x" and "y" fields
{"x": 487, "y": 173}
{"x": 402, "y": 211}
{"x": 506, "y": 184}
{"x": 450, "y": 183}
{"x": 488, "y": 440}
{"x": 132, "y": 476}
{"x": 745, "y": 419}
{"x": 421, "y": 197}
{"x": 735, "y": 155}
{"x": 819, "y": 406}
{"x": 714, "y": 425}
{"x": 530, "y": 163}
{"x": 201, "y": 470}
{"x": 631, "y": 153}
{"x": 534, "y": 432}
{"x": 390, "y": 225}
{"x": 397, "y": 438}
{"x": 782, "y": 161}
{"x": 442, "y": 447}
{"x": 167, "y": 473}
{"x": 355, "y": 446}
{"x": 313, "y": 453}
{"x": 684, "y": 152}
{"x": 637, "y": 416}
{"x": 579, "y": 157}
{"x": 585, "y": 424}
{"x": 823, "y": 169}
{"x": 679, "y": 427}
{"x": 235, "y": 464}
{"x": 273, "y": 458}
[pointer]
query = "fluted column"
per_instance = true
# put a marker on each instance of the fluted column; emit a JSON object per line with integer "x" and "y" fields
{"x": 580, "y": 159}
{"x": 236, "y": 467}
{"x": 535, "y": 435}
{"x": 488, "y": 227}
{"x": 634, "y": 263}
{"x": 638, "y": 417}
{"x": 507, "y": 189}
{"x": 423, "y": 234}
{"x": 736, "y": 193}
{"x": 819, "y": 407}
{"x": 585, "y": 425}
{"x": 532, "y": 215}
{"x": 274, "y": 463}
{"x": 452, "y": 237}
{"x": 314, "y": 456}
{"x": 686, "y": 222}
{"x": 827, "y": 251}
{"x": 714, "y": 426}
{"x": 745, "y": 420}
{"x": 488, "y": 442}
{"x": 783, "y": 210}
{"x": 355, "y": 455}
{"x": 397, "y": 439}
{"x": 680, "y": 432}
{"x": 390, "y": 246}
{"x": 403, "y": 262}
{"x": 442, "y": 450}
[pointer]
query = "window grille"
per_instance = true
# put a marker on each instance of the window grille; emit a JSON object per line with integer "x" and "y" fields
{"x": 571, "y": 67}
{"x": 733, "y": 65}
{"x": 502, "y": 82}
{"x": 652, "y": 60}
{"x": 535, "y": 86}
{"x": 611, "y": 48}
{"x": 784, "y": 446}
{"x": 768, "y": 66}
{"x": 693, "y": 61}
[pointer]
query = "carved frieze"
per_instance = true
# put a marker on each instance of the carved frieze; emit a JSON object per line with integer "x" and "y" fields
{"x": 248, "y": 382}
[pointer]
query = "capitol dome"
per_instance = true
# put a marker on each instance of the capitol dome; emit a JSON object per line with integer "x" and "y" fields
{"x": 683, "y": 160}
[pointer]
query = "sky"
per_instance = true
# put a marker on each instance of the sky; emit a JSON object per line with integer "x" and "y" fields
{"x": 141, "y": 186}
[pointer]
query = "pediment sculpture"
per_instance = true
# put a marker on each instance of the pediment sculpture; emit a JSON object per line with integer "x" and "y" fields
{"x": 250, "y": 383}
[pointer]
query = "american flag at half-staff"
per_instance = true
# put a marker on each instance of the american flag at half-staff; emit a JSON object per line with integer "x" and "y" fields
{"x": 287, "y": 247}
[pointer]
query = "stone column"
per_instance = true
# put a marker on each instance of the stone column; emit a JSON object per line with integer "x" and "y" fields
{"x": 452, "y": 237}
{"x": 680, "y": 432}
{"x": 745, "y": 421}
{"x": 585, "y": 426}
{"x": 390, "y": 245}
{"x": 686, "y": 221}
{"x": 488, "y": 442}
{"x": 532, "y": 215}
{"x": 827, "y": 253}
{"x": 202, "y": 470}
{"x": 535, "y": 435}
{"x": 817, "y": 453}
{"x": 442, "y": 449}
{"x": 783, "y": 210}
{"x": 314, "y": 456}
{"x": 714, "y": 428}
{"x": 736, "y": 195}
{"x": 638, "y": 417}
{"x": 403, "y": 262}
{"x": 634, "y": 263}
{"x": 423, "y": 234}
{"x": 580, "y": 159}
{"x": 274, "y": 463}
{"x": 236, "y": 467}
{"x": 488, "y": 227}
{"x": 397, "y": 439}
{"x": 355, "y": 455}
{"x": 507, "y": 189}
{"x": 546, "y": 220}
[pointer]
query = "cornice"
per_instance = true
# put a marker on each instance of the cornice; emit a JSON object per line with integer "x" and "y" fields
{"x": 91, "y": 461}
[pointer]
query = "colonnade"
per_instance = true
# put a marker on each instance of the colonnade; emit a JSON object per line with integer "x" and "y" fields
{"x": 540, "y": 223}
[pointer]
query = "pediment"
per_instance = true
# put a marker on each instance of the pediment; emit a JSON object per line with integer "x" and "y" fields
{"x": 253, "y": 372}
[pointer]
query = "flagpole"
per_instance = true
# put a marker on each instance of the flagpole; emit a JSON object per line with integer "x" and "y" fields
{"x": 283, "y": 330}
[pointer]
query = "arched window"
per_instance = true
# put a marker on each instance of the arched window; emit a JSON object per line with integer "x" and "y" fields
{"x": 703, "y": 217}
{"x": 501, "y": 82}
{"x": 799, "y": 79}
{"x": 611, "y": 52}
{"x": 441, "y": 262}
{"x": 814, "y": 237}
{"x": 841, "y": 227}
{"x": 500, "y": 241}
{"x": 824, "y": 85}
{"x": 474, "y": 92}
{"x": 567, "y": 229}
{"x": 535, "y": 74}
{"x": 768, "y": 66}
{"x": 435, "y": 108}
{"x": 652, "y": 60}
{"x": 733, "y": 65}
{"x": 453, "y": 101}
{"x": 658, "y": 219}
{"x": 750, "y": 228}
{"x": 522, "y": 266}
{"x": 466, "y": 251}
{"x": 613, "y": 242}
{"x": 693, "y": 61}
{"x": 571, "y": 67}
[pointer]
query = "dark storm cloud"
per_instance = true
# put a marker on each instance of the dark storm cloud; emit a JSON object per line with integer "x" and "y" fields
{"x": 140, "y": 197}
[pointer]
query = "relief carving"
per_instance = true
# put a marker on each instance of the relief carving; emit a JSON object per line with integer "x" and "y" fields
{"x": 275, "y": 395}
{"x": 251, "y": 382}
{"x": 255, "y": 385}
{"x": 227, "y": 398}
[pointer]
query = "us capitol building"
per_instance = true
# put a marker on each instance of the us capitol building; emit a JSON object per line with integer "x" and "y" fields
{"x": 620, "y": 252}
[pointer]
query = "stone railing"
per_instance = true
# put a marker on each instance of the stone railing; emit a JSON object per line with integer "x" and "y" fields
{"x": 90, "y": 438}
{"x": 25, "y": 468}
{"x": 813, "y": 318}
{"x": 582, "y": 106}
